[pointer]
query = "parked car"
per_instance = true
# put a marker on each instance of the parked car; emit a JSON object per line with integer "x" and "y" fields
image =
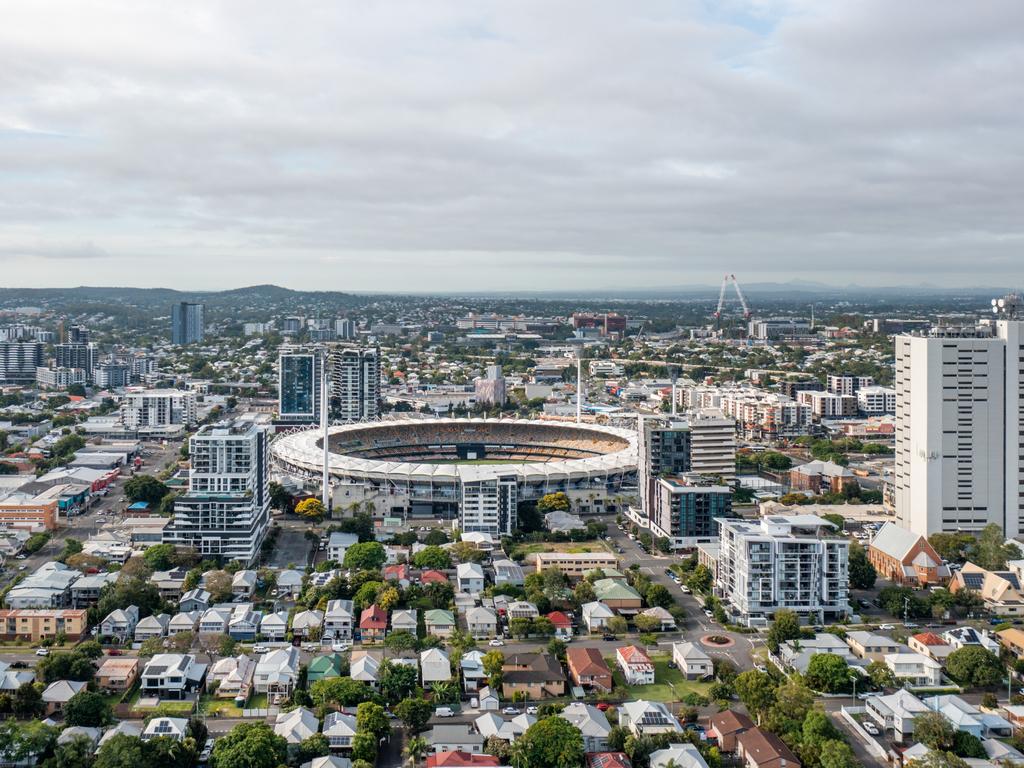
{"x": 608, "y": 637}
{"x": 496, "y": 643}
{"x": 115, "y": 652}
{"x": 260, "y": 648}
{"x": 684, "y": 589}
{"x": 444, "y": 712}
{"x": 870, "y": 727}
{"x": 531, "y": 710}
{"x": 510, "y": 711}
{"x": 886, "y": 627}
{"x": 42, "y": 652}
{"x": 603, "y": 706}
{"x": 340, "y": 647}
{"x": 672, "y": 665}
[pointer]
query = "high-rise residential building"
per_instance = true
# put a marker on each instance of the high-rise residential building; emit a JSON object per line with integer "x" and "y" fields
{"x": 796, "y": 562}
{"x": 187, "y": 323}
{"x": 355, "y": 383}
{"x": 226, "y": 510}
{"x": 112, "y": 375}
{"x": 872, "y": 401}
{"x": 489, "y": 389}
{"x": 300, "y": 376}
{"x": 59, "y": 378}
{"x": 19, "y": 361}
{"x": 845, "y": 384}
{"x": 829, "y": 405}
{"x": 291, "y": 326}
{"x": 158, "y": 408}
{"x": 686, "y": 509}
{"x": 345, "y": 329}
{"x": 78, "y": 334}
{"x": 76, "y": 355}
{"x": 959, "y": 461}
{"x": 489, "y": 506}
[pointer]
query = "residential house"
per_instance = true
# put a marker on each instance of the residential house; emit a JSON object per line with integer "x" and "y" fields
{"x": 175, "y": 728}
{"x": 756, "y": 748}
{"x": 931, "y": 645}
{"x": 233, "y": 675}
{"x": 647, "y": 718}
{"x": 373, "y": 624}
{"x": 276, "y": 673}
{"x": 243, "y": 584}
{"x": 870, "y": 646}
{"x": 1000, "y": 591}
{"x": 152, "y": 626}
{"x": 677, "y": 756}
{"x": 328, "y": 761}
{"x": 455, "y": 738}
{"x": 186, "y": 621}
{"x": 11, "y": 680}
{"x": 365, "y": 667}
{"x": 491, "y": 724}
{"x": 439, "y": 622}
{"x": 906, "y": 558}
{"x": 172, "y": 675}
{"x": 459, "y": 759}
{"x": 537, "y": 675}
{"x": 339, "y": 728}
{"x": 123, "y": 728}
{"x": 481, "y": 623}
{"x": 398, "y": 573}
{"x": 488, "y": 700}
{"x": 215, "y": 619}
{"x": 618, "y": 595}
{"x": 508, "y": 572}
{"x": 58, "y": 693}
{"x": 464, "y": 601}
{"x": 433, "y": 577}
{"x": 637, "y": 667}
{"x": 323, "y": 667}
{"x": 394, "y": 554}
{"x": 592, "y": 724}
{"x": 120, "y": 623}
{"x": 435, "y": 667}
{"x": 1012, "y": 640}
{"x": 666, "y": 621}
{"x": 479, "y": 540}
{"x": 596, "y": 616}
{"x": 797, "y": 654}
{"x": 48, "y": 587}
{"x": 896, "y": 712}
{"x": 289, "y": 583}
{"x": 562, "y": 624}
{"x": 692, "y": 662}
{"x": 968, "y": 718}
{"x": 338, "y": 544}
{"x": 404, "y": 620}
{"x": 75, "y": 732}
{"x": 194, "y": 600}
{"x": 297, "y": 726}
{"x": 961, "y": 637}
{"x": 117, "y": 673}
{"x": 307, "y": 624}
{"x": 521, "y": 609}
{"x": 470, "y": 578}
{"x": 608, "y": 760}
{"x": 85, "y": 591}
{"x": 1015, "y": 714}
{"x": 274, "y": 626}
{"x": 588, "y": 669}
{"x": 244, "y": 623}
{"x": 472, "y": 666}
{"x": 915, "y": 668}
{"x": 725, "y": 726}
{"x": 338, "y": 620}
{"x": 169, "y": 583}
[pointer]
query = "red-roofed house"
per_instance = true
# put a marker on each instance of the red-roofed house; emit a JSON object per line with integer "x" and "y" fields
{"x": 460, "y": 759}
{"x": 636, "y": 666}
{"x": 588, "y": 669}
{"x": 608, "y": 760}
{"x": 399, "y": 573}
{"x": 433, "y": 577}
{"x": 562, "y": 625}
{"x": 373, "y": 624}
{"x": 931, "y": 645}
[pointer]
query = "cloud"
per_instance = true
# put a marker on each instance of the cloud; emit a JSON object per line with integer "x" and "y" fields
{"x": 462, "y": 145}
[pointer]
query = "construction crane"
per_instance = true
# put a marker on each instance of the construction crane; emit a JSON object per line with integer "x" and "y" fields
{"x": 721, "y": 299}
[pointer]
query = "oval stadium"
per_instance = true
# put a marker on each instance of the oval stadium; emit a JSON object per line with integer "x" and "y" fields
{"x": 479, "y": 470}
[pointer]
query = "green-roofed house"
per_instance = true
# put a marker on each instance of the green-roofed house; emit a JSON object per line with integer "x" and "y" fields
{"x": 617, "y": 595}
{"x": 439, "y": 622}
{"x": 323, "y": 667}
{"x": 611, "y": 573}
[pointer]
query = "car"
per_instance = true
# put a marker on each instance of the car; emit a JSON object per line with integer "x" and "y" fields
{"x": 260, "y": 648}
{"x": 22, "y": 557}
{"x": 886, "y": 627}
{"x": 668, "y": 572}
{"x": 672, "y": 665}
{"x": 19, "y": 665}
{"x": 709, "y": 614}
{"x": 603, "y": 706}
{"x": 531, "y": 710}
{"x": 311, "y": 647}
{"x": 496, "y": 643}
{"x": 910, "y": 625}
{"x": 444, "y": 712}
{"x": 22, "y": 567}
{"x": 115, "y": 652}
{"x": 510, "y": 711}
{"x": 608, "y": 637}
{"x": 42, "y": 652}
{"x": 871, "y": 728}
{"x": 340, "y": 647}
{"x": 684, "y": 589}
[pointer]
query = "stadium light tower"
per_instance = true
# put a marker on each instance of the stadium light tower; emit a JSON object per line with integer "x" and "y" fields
{"x": 579, "y": 389}
{"x": 324, "y": 421}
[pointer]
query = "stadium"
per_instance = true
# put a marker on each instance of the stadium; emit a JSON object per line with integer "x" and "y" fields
{"x": 476, "y": 470}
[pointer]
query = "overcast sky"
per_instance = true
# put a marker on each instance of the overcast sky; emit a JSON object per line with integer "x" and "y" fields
{"x": 523, "y": 144}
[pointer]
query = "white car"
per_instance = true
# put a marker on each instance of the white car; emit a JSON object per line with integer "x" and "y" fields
{"x": 260, "y": 648}
{"x": 531, "y": 710}
{"x": 42, "y": 651}
{"x": 510, "y": 711}
{"x": 684, "y": 589}
{"x": 340, "y": 647}
{"x": 496, "y": 643}
{"x": 886, "y": 627}
{"x": 709, "y": 614}
{"x": 871, "y": 728}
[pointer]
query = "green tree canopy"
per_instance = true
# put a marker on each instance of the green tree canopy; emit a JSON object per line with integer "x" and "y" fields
{"x": 828, "y": 673}
{"x": 365, "y": 556}
{"x": 862, "y": 573}
{"x": 973, "y": 665}
{"x": 549, "y": 743}
{"x": 145, "y": 488}
{"x": 786, "y": 626}
{"x": 414, "y": 713}
{"x": 432, "y": 557}
{"x": 756, "y": 690}
{"x": 88, "y": 709}
{"x": 934, "y": 730}
{"x": 249, "y": 745}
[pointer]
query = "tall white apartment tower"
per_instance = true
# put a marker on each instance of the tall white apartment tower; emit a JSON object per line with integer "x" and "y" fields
{"x": 226, "y": 510}
{"x": 355, "y": 383}
{"x": 959, "y": 460}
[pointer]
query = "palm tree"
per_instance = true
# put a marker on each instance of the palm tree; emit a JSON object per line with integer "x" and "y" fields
{"x": 416, "y": 749}
{"x": 445, "y": 692}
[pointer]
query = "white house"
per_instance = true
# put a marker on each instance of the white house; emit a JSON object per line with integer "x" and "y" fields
{"x": 364, "y": 667}
{"x": 338, "y": 620}
{"x": 470, "y": 578}
{"x": 473, "y": 674}
{"x": 289, "y": 582}
{"x": 215, "y": 620}
{"x": 297, "y": 726}
{"x": 185, "y": 621}
{"x": 276, "y": 673}
{"x": 592, "y": 724}
{"x": 404, "y": 620}
{"x": 692, "y": 662}
{"x": 636, "y": 666}
{"x": 481, "y": 623}
{"x": 120, "y": 623}
{"x": 896, "y": 712}
{"x": 233, "y": 676}
{"x": 152, "y": 626}
{"x": 679, "y": 756}
{"x": 596, "y": 616}
{"x": 664, "y": 617}
{"x": 339, "y": 728}
{"x": 274, "y": 626}
{"x": 243, "y": 583}
{"x": 194, "y": 600}
{"x": 338, "y": 544}
{"x": 434, "y": 667}
{"x": 915, "y": 668}
{"x": 172, "y": 675}
{"x": 647, "y": 718}
{"x": 306, "y": 623}
{"x": 508, "y": 572}
{"x": 488, "y": 700}
{"x": 172, "y": 727}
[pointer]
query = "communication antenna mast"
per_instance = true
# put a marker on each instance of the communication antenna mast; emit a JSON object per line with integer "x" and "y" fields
{"x": 324, "y": 421}
{"x": 579, "y": 389}
{"x": 721, "y": 299}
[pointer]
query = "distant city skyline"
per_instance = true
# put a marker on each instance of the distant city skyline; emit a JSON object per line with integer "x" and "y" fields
{"x": 450, "y": 147}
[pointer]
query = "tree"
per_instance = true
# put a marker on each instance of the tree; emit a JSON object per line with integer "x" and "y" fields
{"x": 76, "y": 753}
{"x": 991, "y": 551}
{"x": 218, "y": 584}
{"x": 756, "y": 690}
{"x": 396, "y": 681}
{"x": 88, "y": 709}
{"x": 828, "y": 673}
{"x": 28, "y": 701}
{"x": 837, "y": 754}
{"x": 700, "y": 580}
{"x": 364, "y": 747}
{"x": 343, "y": 691}
{"x": 786, "y": 626}
{"x": 951, "y": 546}
{"x": 837, "y": 520}
{"x": 432, "y": 557}
{"x": 416, "y": 748}
{"x": 553, "y": 502}
{"x": 311, "y": 509}
{"x": 793, "y": 701}
{"x": 862, "y": 573}
{"x": 388, "y": 598}
{"x": 584, "y": 593}
{"x": 435, "y": 537}
{"x": 617, "y": 625}
{"x": 121, "y": 751}
{"x": 881, "y": 675}
{"x": 647, "y": 623}
{"x": 400, "y": 641}
{"x": 658, "y": 595}
{"x": 26, "y": 742}
{"x": 973, "y": 665}
{"x": 936, "y": 758}
{"x": 158, "y": 557}
{"x": 414, "y": 712}
{"x": 366, "y": 595}
{"x": 371, "y": 717}
{"x": 549, "y": 743}
{"x": 316, "y": 745}
{"x": 968, "y": 745}
{"x": 934, "y": 730}
{"x": 145, "y": 488}
{"x": 465, "y": 552}
{"x": 365, "y": 556}
{"x": 280, "y": 499}
{"x": 249, "y": 745}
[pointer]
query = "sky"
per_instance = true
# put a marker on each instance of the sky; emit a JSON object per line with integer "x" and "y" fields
{"x": 511, "y": 144}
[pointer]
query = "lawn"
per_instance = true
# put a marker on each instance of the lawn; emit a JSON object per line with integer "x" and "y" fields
{"x": 571, "y": 547}
{"x": 227, "y": 708}
{"x": 669, "y": 683}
